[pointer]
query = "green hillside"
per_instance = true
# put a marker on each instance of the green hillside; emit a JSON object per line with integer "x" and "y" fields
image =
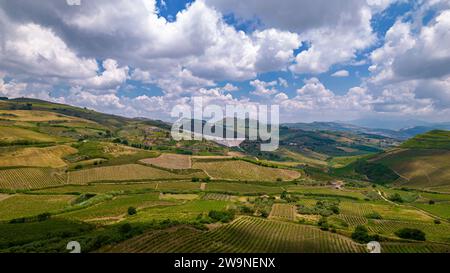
{"x": 436, "y": 139}
{"x": 421, "y": 162}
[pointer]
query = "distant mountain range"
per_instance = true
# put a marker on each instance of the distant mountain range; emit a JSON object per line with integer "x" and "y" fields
{"x": 400, "y": 134}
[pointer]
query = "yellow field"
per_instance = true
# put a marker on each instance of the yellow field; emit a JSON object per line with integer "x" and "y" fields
{"x": 30, "y": 178}
{"x": 11, "y": 134}
{"x": 35, "y": 116}
{"x": 241, "y": 170}
{"x": 118, "y": 150}
{"x": 170, "y": 161}
{"x": 123, "y": 173}
{"x": 37, "y": 157}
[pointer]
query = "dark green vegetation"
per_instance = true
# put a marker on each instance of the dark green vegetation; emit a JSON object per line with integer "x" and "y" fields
{"x": 435, "y": 139}
{"x": 361, "y": 235}
{"x": 411, "y": 233}
{"x": 72, "y": 174}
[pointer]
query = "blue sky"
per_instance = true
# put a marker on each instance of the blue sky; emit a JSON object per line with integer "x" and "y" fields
{"x": 319, "y": 60}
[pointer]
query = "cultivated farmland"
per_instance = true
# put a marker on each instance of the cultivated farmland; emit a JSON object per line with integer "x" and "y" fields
{"x": 37, "y": 157}
{"x": 12, "y": 135}
{"x": 283, "y": 211}
{"x": 31, "y": 205}
{"x": 247, "y": 234}
{"x": 123, "y": 173}
{"x": 170, "y": 161}
{"x": 241, "y": 170}
{"x": 30, "y": 178}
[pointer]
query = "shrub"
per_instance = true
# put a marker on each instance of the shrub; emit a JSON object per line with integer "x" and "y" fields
{"x": 43, "y": 217}
{"x": 264, "y": 214}
{"x": 396, "y": 198}
{"x": 125, "y": 228}
{"x": 411, "y": 233}
{"x": 361, "y": 235}
{"x": 132, "y": 211}
{"x": 221, "y": 216}
{"x": 374, "y": 215}
{"x": 246, "y": 210}
{"x": 323, "y": 223}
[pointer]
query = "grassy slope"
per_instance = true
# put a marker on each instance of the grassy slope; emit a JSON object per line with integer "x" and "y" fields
{"x": 421, "y": 162}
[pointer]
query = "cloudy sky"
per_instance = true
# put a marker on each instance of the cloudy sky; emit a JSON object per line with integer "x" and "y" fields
{"x": 319, "y": 60}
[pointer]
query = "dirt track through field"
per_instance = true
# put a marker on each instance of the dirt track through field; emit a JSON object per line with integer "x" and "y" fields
{"x": 5, "y": 196}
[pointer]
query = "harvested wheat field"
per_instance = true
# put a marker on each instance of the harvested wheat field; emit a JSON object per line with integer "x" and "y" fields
{"x": 37, "y": 157}
{"x": 170, "y": 161}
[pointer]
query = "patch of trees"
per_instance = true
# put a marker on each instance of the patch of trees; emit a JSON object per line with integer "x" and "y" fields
{"x": 411, "y": 233}
{"x": 132, "y": 211}
{"x": 374, "y": 215}
{"x": 324, "y": 208}
{"x": 290, "y": 198}
{"x": 134, "y": 145}
{"x": 39, "y": 218}
{"x": 361, "y": 235}
{"x": 224, "y": 216}
{"x": 396, "y": 198}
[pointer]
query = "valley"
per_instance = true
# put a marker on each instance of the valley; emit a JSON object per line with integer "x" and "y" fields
{"x": 119, "y": 184}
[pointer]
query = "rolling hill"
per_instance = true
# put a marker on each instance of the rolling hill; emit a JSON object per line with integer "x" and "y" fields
{"x": 421, "y": 162}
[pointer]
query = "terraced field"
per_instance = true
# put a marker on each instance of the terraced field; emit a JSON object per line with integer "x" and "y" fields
{"x": 116, "y": 209}
{"x": 178, "y": 186}
{"x": 244, "y": 171}
{"x": 182, "y": 212}
{"x": 414, "y": 248}
{"x": 242, "y": 188}
{"x": 31, "y": 205}
{"x": 124, "y": 173}
{"x": 283, "y": 211}
{"x": 101, "y": 188}
{"x": 216, "y": 196}
{"x": 246, "y": 234}
{"x": 387, "y": 211}
{"x": 36, "y": 157}
{"x": 440, "y": 209}
{"x": 434, "y": 232}
{"x": 325, "y": 191}
{"x": 353, "y": 220}
{"x": 30, "y": 178}
{"x": 170, "y": 161}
